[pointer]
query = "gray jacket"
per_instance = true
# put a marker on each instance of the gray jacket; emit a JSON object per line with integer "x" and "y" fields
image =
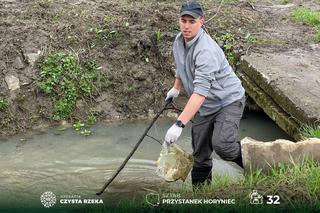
{"x": 203, "y": 69}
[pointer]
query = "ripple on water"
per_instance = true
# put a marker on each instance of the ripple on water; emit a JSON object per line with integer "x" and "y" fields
{"x": 139, "y": 175}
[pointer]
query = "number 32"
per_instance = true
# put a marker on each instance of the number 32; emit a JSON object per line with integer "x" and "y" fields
{"x": 273, "y": 199}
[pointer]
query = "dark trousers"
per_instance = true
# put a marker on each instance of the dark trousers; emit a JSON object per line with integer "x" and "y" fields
{"x": 219, "y": 132}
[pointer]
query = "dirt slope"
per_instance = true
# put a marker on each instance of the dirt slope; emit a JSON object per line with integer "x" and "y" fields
{"x": 130, "y": 40}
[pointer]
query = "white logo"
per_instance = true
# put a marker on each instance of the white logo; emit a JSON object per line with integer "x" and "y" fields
{"x": 48, "y": 199}
{"x": 255, "y": 197}
{"x": 153, "y": 199}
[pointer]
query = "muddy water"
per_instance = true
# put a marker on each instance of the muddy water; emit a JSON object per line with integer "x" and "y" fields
{"x": 67, "y": 163}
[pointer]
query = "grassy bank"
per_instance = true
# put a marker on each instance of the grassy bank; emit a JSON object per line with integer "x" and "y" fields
{"x": 308, "y": 17}
{"x": 292, "y": 188}
{"x": 311, "y": 131}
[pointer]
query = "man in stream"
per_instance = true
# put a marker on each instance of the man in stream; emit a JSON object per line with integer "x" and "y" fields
{"x": 216, "y": 100}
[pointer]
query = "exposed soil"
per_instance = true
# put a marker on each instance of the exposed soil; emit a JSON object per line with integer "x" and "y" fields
{"x": 130, "y": 40}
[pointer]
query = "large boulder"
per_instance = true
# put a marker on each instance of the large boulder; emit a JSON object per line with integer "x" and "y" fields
{"x": 264, "y": 155}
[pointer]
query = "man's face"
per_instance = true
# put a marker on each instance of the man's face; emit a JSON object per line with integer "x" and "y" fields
{"x": 190, "y": 26}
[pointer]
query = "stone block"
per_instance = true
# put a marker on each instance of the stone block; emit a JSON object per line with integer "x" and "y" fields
{"x": 263, "y": 155}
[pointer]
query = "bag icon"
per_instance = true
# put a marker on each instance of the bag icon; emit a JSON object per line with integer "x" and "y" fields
{"x": 255, "y": 197}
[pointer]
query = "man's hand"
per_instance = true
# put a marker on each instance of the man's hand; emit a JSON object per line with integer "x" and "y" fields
{"x": 173, "y": 134}
{"x": 173, "y": 93}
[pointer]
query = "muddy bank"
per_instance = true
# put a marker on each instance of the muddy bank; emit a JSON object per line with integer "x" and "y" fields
{"x": 129, "y": 40}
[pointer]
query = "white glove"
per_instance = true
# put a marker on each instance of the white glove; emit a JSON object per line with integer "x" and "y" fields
{"x": 173, "y": 93}
{"x": 173, "y": 134}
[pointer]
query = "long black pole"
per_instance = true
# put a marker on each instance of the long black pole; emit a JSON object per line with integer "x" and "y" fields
{"x": 133, "y": 150}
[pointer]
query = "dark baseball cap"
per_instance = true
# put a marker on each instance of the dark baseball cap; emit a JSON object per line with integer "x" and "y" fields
{"x": 191, "y": 8}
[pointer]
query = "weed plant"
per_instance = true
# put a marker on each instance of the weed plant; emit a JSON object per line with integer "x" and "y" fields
{"x": 65, "y": 80}
{"x": 3, "y": 104}
{"x": 228, "y": 43}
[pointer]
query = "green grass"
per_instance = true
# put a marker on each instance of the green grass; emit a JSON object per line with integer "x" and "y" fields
{"x": 308, "y": 17}
{"x": 311, "y": 131}
{"x": 284, "y": 1}
{"x": 316, "y": 37}
{"x": 285, "y": 178}
{"x": 263, "y": 40}
{"x": 3, "y": 104}
{"x": 208, "y": 4}
{"x": 297, "y": 184}
{"x": 158, "y": 35}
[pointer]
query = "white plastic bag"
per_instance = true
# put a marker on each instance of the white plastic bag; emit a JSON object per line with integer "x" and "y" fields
{"x": 174, "y": 163}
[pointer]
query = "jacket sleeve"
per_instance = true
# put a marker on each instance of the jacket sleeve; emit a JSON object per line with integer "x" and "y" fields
{"x": 176, "y": 71}
{"x": 206, "y": 64}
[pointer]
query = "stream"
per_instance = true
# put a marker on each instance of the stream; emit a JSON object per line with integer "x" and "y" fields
{"x": 69, "y": 164}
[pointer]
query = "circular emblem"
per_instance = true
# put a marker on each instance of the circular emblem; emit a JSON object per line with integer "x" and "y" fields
{"x": 48, "y": 199}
